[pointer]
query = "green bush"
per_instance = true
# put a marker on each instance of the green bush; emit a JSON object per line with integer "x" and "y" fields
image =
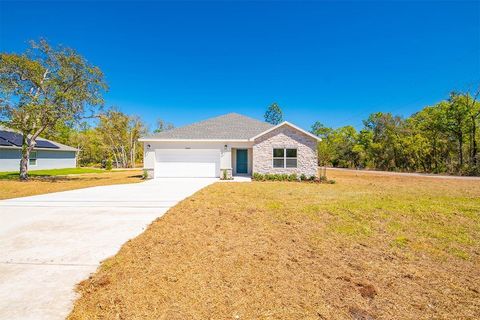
{"x": 324, "y": 179}
{"x": 145, "y": 174}
{"x": 289, "y": 177}
{"x": 292, "y": 177}
{"x": 108, "y": 164}
{"x": 258, "y": 176}
{"x": 269, "y": 177}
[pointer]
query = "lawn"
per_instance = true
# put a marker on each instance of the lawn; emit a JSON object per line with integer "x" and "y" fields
{"x": 46, "y": 181}
{"x": 368, "y": 247}
{"x": 51, "y": 172}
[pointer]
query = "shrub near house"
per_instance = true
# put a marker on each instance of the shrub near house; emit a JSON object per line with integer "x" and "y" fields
{"x": 290, "y": 177}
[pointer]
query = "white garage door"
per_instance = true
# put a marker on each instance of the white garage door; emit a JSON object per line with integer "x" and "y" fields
{"x": 187, "y": 163}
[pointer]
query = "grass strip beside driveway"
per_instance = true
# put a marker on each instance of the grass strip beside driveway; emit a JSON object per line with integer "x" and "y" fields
{"x": 50, "y": 172}
{"x": 41, "y": 184}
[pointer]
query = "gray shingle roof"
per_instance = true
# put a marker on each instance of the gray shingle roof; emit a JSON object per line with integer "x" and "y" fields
{"x": 231, "y": 126}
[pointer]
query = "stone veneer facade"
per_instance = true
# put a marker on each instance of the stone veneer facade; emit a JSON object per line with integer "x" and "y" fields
{"x": 285, "y": 137}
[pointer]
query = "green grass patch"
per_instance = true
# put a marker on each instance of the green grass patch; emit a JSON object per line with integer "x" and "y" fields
{"x": 400, "y": 242}
{"x": 50, "y": 173}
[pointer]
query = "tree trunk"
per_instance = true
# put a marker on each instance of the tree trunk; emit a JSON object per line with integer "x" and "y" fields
{"x": 115, "y": 157}
{"x": 123, "y": 157}
{"x": 24, "y": 159}
{"x": 131, "y": 149}
{"x": 27, "y": 147}
{"x": 460, "y": 150}
{"x": 474, "y": 142}
{"x": 133, "y": 154}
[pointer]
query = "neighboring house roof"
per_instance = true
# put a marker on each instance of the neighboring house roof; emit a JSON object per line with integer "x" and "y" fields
{"x": 231, "y": 126}
{"x": 11, "y": 139}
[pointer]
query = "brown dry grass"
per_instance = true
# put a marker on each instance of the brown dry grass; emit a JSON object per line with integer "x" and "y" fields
{"x": 368, "y": 247}
{"x": 40, "y": 185}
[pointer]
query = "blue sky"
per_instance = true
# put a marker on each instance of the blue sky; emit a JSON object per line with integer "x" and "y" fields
{"x": 335, "y": 62}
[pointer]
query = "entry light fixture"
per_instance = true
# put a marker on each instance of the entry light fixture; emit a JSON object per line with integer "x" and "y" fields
{"x": 225, "y": 147}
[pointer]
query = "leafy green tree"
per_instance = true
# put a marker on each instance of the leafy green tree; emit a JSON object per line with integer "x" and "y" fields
{"x": 274, "y": 114}
{"x": 338, "y": 147}
{"x": 89, "y": 141}
{"x": 386, "y": 147}
{"x": 345, "y": 138}
{"x": 44, "y": 87}
{"x": 428, "y": 127}
{"x": 457, "y": 117}
{"x": 473, "y": 109}
{"x": 364, "y": 148}
{"x": 325, "y": 148}
{"x": 61, "y": 132}
{"x": 320, "y": 130}
{"x": 120, "y": 133}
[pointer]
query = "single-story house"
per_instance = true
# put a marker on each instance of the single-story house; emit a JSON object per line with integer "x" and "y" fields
{"x": 230, "y": 144}
{"x": 45, "y": 155}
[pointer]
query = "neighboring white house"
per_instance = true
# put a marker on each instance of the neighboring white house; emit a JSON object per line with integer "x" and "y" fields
{"x": 231, "y": 143}
{"x": 46, "y": 154}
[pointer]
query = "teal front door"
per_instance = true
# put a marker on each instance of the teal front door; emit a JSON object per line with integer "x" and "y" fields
{"x": 242, "y": 161}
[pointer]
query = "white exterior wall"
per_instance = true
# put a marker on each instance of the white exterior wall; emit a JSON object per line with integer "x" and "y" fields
{"x": 46, "y": 159}
{"x": 149, "y": 157}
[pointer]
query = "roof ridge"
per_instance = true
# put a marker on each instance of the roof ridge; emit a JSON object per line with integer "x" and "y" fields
{"x": 225, "y": 126}
{"x": 216, "y": 117}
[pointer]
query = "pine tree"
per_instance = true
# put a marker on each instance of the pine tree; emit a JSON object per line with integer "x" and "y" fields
{"x": 274, "y": 114}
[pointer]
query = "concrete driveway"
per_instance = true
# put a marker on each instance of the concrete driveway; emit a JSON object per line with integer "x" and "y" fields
{"x": 49, "y": 243}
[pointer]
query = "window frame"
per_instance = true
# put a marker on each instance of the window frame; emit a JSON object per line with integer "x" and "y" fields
{"x": 284, "y": 158}
{"x": 32, "y": 156}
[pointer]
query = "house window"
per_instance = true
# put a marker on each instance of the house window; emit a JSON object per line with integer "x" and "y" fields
{"x": 32, "y": 161}
{"x": 284, "y": 158}
{"x": 278, "y": 158}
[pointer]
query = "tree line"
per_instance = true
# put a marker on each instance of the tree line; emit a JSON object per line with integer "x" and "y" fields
{"x": 442, "y": 138}
{"x": 111, "y": 140}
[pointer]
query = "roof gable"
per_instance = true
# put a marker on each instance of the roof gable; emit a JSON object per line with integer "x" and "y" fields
{"x": 286, "y": 123}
